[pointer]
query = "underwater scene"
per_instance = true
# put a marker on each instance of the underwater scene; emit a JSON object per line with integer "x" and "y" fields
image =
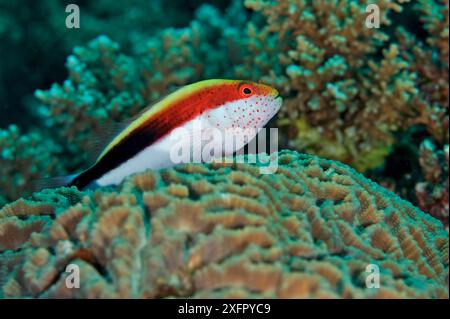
{"x": 280, "y": 149}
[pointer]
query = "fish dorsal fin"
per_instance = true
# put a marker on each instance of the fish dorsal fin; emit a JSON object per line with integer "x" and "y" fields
{"x": 153, "y": 103}
{"x": 104, "y": 135}
{"x": 109, "y": 130}
{"x": 144, "y": 110}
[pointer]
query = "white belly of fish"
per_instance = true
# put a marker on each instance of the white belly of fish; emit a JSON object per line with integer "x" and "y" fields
{"x": 156, "y": 156}
{"x": 217, "y": 130}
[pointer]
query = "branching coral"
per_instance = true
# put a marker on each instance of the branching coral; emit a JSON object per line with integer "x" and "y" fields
{"x": 432, "y": 194}
{"x": 347, "y": 95}
{"x": 353, "y": 90}
{"x": 349, "y": 87}
{"x": 327, "y": 63}
{"x": 24, "y": 158}
{"x": 430, "y": 61}
{"x": 224, "y": 230}
{"x": 346, "y": 101}
{"x": 103, "y": 87}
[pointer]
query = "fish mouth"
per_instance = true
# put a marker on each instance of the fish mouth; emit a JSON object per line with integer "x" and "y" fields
{"x": 278, "y": 98}
{"x": 275, "y": 94}
{"x": 277, "y": 101}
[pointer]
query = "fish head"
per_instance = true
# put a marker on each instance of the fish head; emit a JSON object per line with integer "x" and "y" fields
{"x": 249, "y": 105}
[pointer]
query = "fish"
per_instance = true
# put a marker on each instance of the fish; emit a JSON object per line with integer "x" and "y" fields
{"x": 147, "y": 142}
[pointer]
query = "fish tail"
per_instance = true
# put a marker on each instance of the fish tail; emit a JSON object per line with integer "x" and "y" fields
{"x": 52, "y": 182}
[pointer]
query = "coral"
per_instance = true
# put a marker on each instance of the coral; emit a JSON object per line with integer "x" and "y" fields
{"x": 312, "y": 141}
{"x": 334, "y": 81}
{"x": 354, "y": 93}
{"x": 103, "y": 87}
{"x": 432, "y": 194}
{"x": 224, "y": 230}
{"x": 352, "y": 86}
{"x": 23, "y": 159}
{"x": 430, "y": 61}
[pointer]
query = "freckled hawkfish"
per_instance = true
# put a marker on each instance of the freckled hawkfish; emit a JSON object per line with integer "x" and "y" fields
{"x": 145, "y": 142}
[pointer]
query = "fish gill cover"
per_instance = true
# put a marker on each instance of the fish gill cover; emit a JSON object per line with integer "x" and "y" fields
{"x": 373, "y": 98}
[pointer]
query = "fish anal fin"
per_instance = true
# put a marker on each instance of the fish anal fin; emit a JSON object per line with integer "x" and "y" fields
{"x": 51, "y": 182}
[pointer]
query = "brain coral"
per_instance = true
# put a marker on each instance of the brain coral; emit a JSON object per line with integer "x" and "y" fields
{"x": 224, "y": 230}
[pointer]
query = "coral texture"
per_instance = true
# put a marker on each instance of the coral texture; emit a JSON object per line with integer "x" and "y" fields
{"x": 353, "y": 92}
{"x": 432, "y": 194}
{"x": 224, "y": 230}
{"x": 351, "y": 87}
{"x": 103, "y": 87}
{"x": 430, "y": 62}
{"x": 24, "y": 158}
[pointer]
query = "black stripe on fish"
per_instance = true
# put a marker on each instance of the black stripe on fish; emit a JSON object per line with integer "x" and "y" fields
{"x": 119, "y": 154}
{"x": 150, "y": 131}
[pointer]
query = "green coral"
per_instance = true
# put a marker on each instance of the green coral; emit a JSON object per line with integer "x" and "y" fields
{"x": 310, "y": 140}
{"x": 356, "y": 88}
{"x": 221, "y": 231}
{"x": 335, "y": 79}
{"x": 24, "y": 158}
{"x": 103, "y": 87}
{"x": 108, "y": 84}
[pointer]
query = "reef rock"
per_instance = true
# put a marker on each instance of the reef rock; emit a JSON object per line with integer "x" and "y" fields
{"x": 315, "y": 229}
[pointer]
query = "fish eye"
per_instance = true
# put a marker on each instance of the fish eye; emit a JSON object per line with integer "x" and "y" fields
{"x": 246, "y": 90}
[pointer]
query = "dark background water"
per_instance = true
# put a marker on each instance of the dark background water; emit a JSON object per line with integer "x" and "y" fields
{"x": 34, "y": 42}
